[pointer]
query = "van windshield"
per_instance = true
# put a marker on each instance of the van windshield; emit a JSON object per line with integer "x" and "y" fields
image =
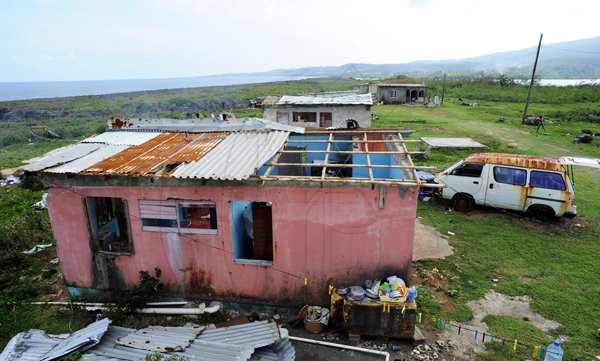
{"x": 468, "y": 170}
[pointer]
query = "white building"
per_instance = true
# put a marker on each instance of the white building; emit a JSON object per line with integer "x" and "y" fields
{"x": 319, "y": 110}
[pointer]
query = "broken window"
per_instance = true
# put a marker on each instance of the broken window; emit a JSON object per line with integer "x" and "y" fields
{"x": 108, "y": 222}
{"x": 252, "y": 231}
{"x": 305, "y": 117}
{"x": 198, "y": 217}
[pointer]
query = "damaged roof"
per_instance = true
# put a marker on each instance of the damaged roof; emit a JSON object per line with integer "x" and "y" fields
{"x": 351, "y": 156}
{"x": 327, "y": 99}
{"x": 197, "y": 125}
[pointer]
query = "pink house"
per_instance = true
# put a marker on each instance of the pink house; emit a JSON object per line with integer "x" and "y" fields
{"x": 274, "y": 214}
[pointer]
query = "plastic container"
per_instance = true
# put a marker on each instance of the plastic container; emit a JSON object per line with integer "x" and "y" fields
{"x": 554, "y": 352}
{"x": 412, "y": 294}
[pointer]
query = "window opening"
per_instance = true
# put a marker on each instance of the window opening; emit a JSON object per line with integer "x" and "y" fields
{"x": 326, "y": 120}
{"x": 468, "y": 170}
{"x": 282, "y": 117}
{"x": 252, "y": 231}
{"x": 547, "y": 180}
{"x": 305, "y": 117}
{"x": 109, "y": 224}
{"x": 510, "y": 175}
{"x": 198, "y": 217}
{"x": 393, "y": 93}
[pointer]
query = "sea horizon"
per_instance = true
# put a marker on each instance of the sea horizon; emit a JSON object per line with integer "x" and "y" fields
{"x": 10, "y": 91}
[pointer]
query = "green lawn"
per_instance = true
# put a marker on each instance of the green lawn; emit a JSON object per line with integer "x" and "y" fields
{"x": 554, "y": 263}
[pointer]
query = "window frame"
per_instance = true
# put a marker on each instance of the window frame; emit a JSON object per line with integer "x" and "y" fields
{"x": 534, "y": 173}
{"x": 242, "y": 241}
{"x": 464, "y": 165}
{"x": 94, "y": 228}
{"x": 176, "y": 217}
{"x": 513, "y": 169}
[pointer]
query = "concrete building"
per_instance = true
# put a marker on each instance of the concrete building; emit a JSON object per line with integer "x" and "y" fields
{"x": 398, "y": 93}
{"x": 324, "y": 110}
{"x": 246, "y": 210}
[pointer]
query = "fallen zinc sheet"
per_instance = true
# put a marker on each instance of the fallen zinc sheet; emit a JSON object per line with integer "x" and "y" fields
{"x": 36, "y": 345}
{"x": 433, "y": 142}
{"x": 260, "y": 340}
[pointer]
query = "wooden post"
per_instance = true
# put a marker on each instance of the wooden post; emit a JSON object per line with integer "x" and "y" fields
{"x": 443, "y": 89}
{"x": 537, "y": 55}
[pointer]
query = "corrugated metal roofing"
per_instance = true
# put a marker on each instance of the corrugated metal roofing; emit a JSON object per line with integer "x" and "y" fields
{"x": 122, "y": 138}
{"x": 167, "y": 149}
{"x": 235, "y": 343}
{"x": 405, "y": 85}
{"x": 217, "y": 351}
{"x": 78, "y": 165}
{"x": 30, "y": 345}
{"x": 435, "y": 142}
{"x": 204, "y": 125}
{"x": 237, "y": 157}
{"x": 79, "y": 340}
{"x": 60, "y": 156}
{"x": 255, "y": 334}
{"x": 109, "y": 350}
{"x": 282, "y": 350}
{"x": 327, "y": 99}
{"x": 161, "y": 339}
{"x": 35, "y": 345}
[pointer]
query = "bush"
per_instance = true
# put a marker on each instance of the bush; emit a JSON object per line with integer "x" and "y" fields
{"x": 131, "y": 299}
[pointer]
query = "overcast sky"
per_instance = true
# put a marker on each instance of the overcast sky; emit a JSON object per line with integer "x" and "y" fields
{"x": 127, "y": 39}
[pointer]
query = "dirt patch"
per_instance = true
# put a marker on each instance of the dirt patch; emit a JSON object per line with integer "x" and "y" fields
{"x": 494, "y": 303}
{"x": 429, "y": 243}
{"x": 435, "y": 129}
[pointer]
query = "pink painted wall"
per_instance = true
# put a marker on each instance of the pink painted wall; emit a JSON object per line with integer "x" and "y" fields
{"x": 331, "y": 234}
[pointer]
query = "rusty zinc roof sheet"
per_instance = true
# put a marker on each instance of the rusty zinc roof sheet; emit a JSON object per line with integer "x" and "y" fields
{"x": 236, "y": 158}
{"x": 158, "y": 154}
{"x": 516, "y": 160}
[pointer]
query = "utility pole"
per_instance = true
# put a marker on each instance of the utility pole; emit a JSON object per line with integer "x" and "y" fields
{"x": 537, "y": 55}
{"x": 443, "y": 88}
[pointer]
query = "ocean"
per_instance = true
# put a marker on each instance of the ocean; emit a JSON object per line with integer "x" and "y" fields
{"x": 53, "y": 89}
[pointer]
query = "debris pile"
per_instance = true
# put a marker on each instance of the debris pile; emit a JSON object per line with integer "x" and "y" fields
{"x": 436, "y": 351}
{"x": 584, "y": 137}
{"x": 260, "y": 340}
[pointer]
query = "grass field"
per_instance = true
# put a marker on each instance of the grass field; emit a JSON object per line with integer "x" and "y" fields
{"x": 554, "y": 263}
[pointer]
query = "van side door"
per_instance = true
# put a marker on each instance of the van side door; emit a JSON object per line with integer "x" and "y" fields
{"x": 506, "y": 187}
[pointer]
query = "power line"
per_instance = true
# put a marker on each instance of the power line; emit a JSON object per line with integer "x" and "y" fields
{"x": 571, "y": 50}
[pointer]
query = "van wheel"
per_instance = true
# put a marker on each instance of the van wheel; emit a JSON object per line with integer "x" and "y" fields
{"x": 542, "y": 213}
{"x": 462, "y": 203}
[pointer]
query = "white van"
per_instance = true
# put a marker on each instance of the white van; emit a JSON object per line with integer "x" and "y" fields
{"x": 538, "y": 185}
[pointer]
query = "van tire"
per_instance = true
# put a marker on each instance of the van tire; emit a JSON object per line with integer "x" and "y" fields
{"x": 462, "y": 202}
{"x": 542, "y": 213}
